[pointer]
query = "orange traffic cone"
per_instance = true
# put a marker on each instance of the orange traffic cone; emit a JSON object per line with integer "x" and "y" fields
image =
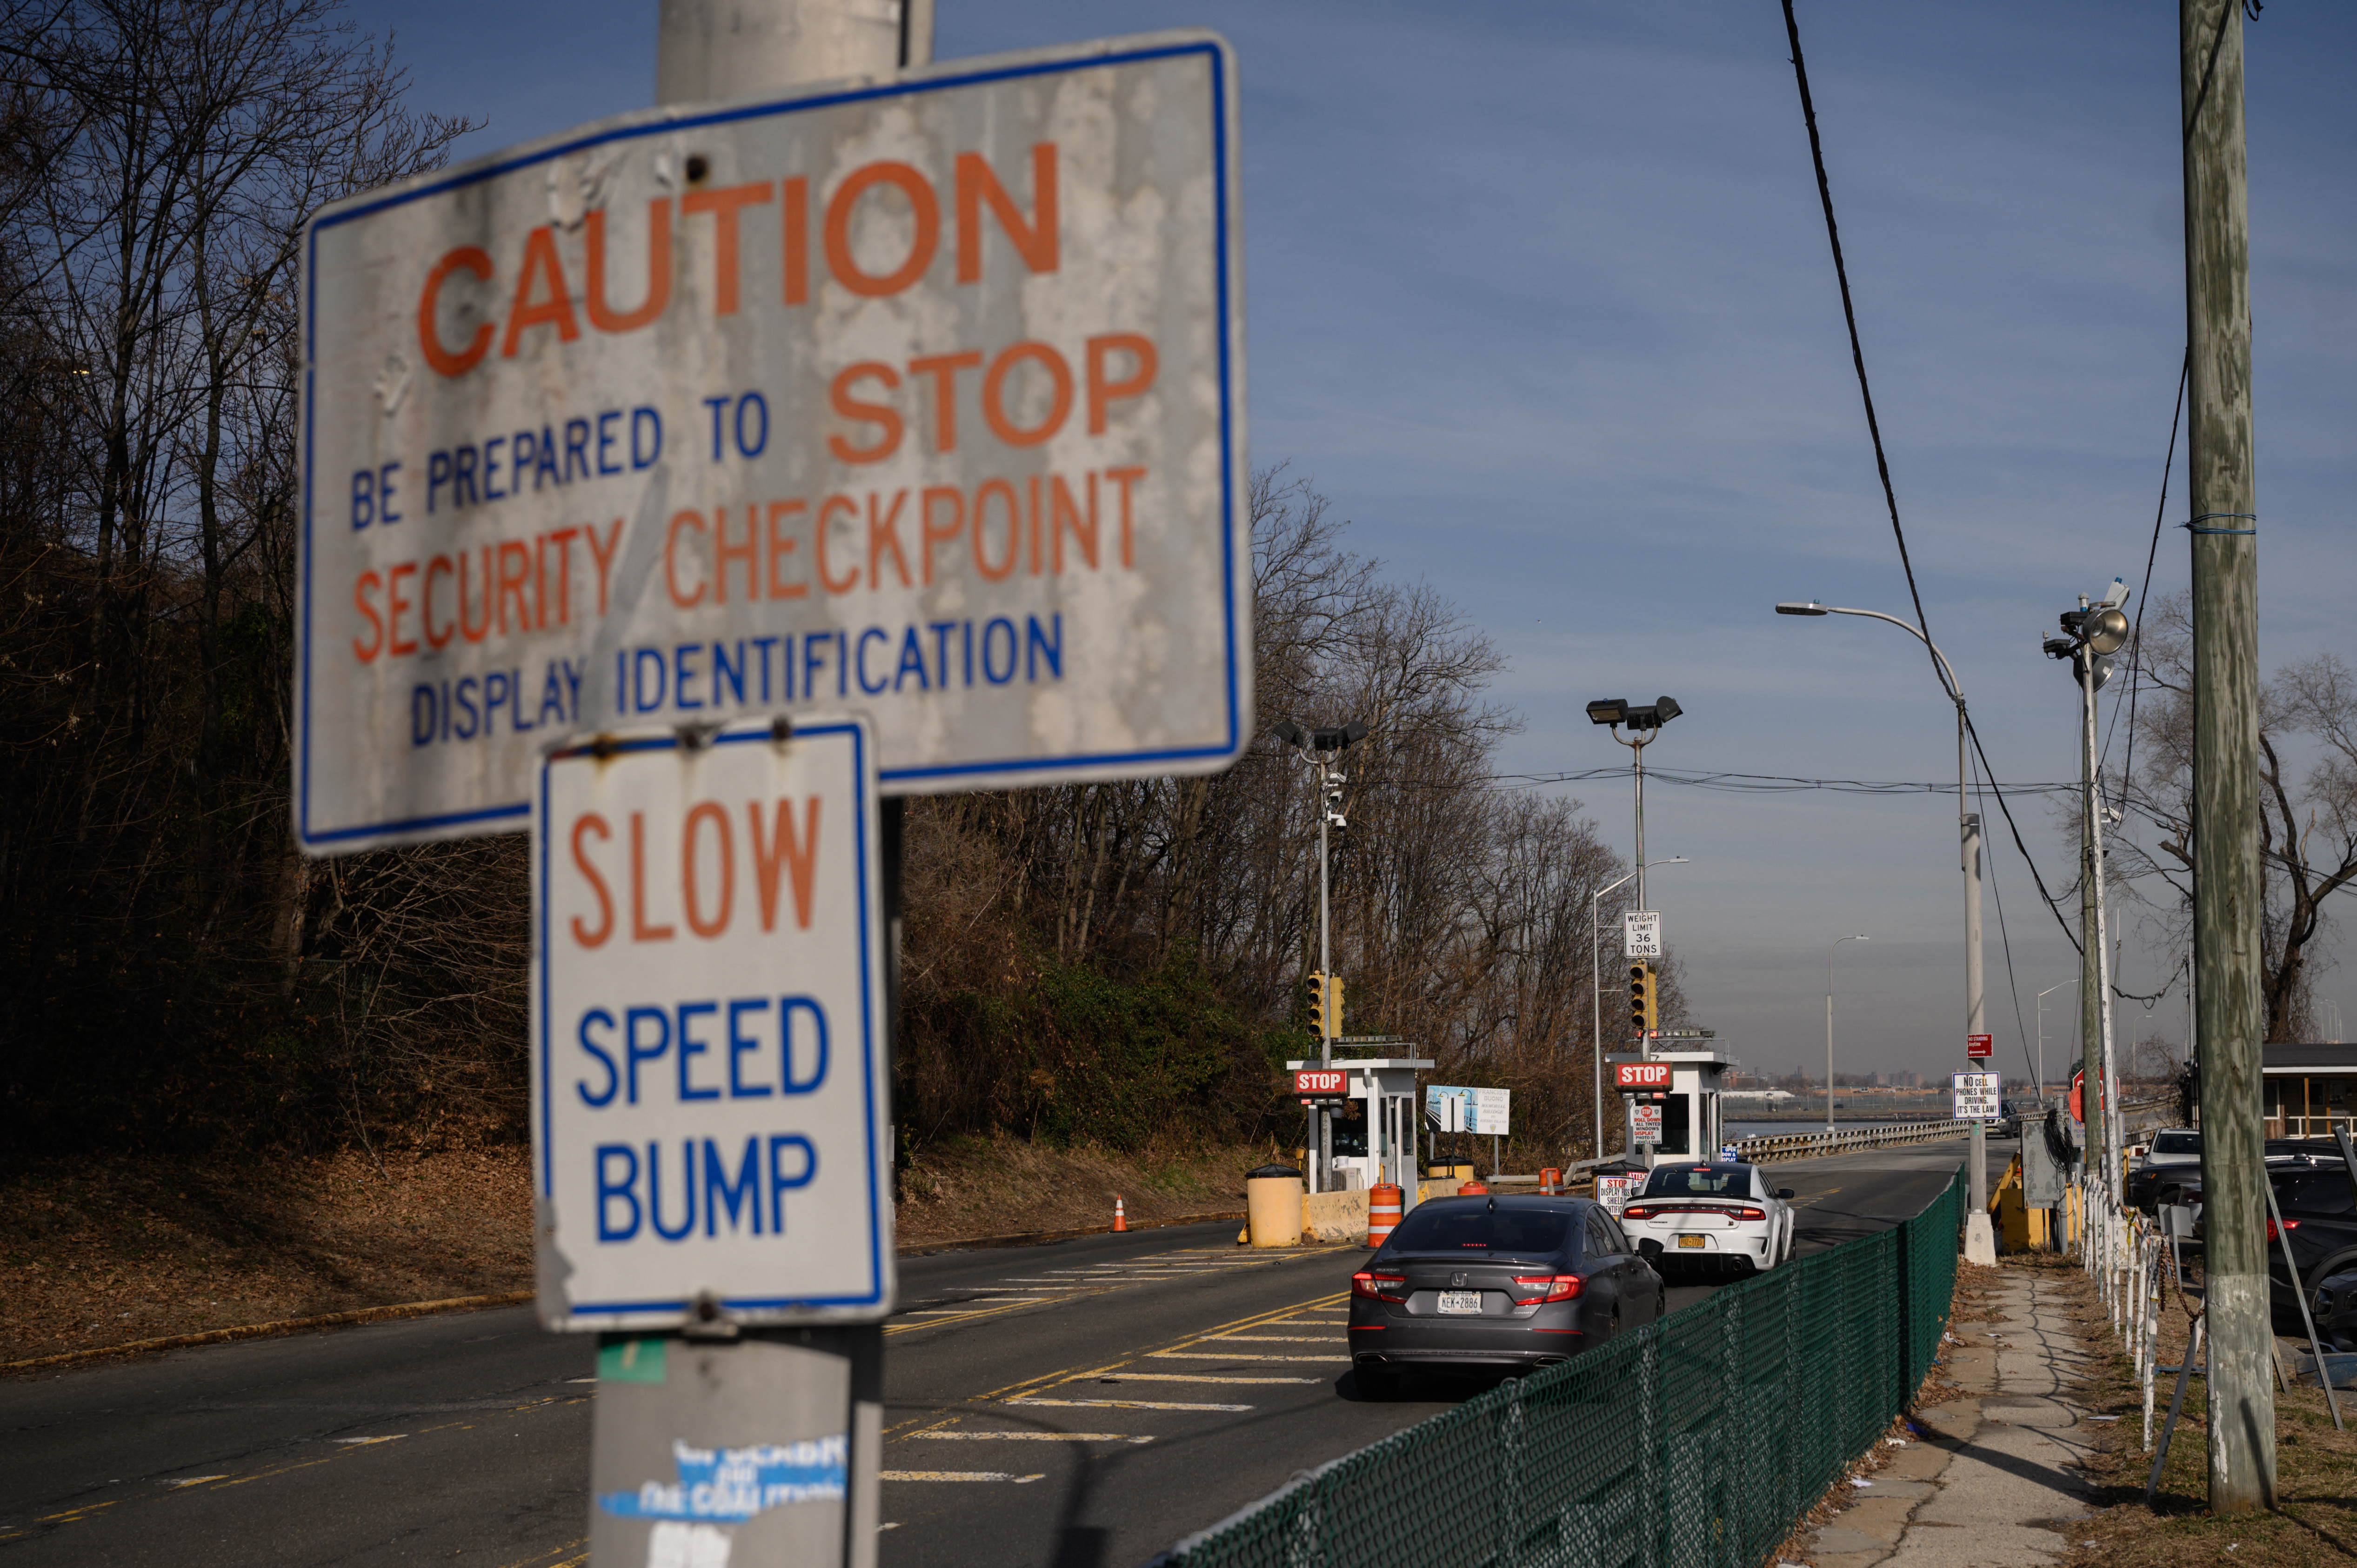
{"x": 1120, "y": 1221}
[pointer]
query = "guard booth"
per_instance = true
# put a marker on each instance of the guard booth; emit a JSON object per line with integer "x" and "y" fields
{"x": 1671, "y": 1103}
{"x": 1363, "y": 1117}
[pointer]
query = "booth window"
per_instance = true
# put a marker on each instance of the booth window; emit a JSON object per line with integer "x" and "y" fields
{"x": 1675, "y": 1111}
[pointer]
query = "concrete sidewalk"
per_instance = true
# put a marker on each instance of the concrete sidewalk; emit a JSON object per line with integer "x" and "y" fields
{"x": 1994, "y": 1475}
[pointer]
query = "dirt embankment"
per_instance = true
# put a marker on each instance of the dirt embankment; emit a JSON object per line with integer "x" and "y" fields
{"x": 106, "y": 1250}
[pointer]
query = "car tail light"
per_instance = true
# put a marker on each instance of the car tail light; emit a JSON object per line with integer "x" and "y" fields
{"x": 1635, "y": 1211}
{"x": 2287, "y": 1225}
{"x": 1753, "y": 1214}
{"x": 1532, "y": 1289}
{"x": 1379, "y": 1287}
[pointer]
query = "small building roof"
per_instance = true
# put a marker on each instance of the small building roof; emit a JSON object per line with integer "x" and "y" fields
{"x": 2292, "y": 1059}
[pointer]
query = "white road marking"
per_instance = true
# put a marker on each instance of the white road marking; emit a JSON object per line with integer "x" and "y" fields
{"x": 1028, "y": 1436}
{"x": 1121, "y": 1404}
{"x": 195, "y": 1480}
{"x": 1193, "y": 1377}
{"x": 957, "y": 1476}
{"x": 1273, "y": 1339}
{"x": 393, "y": 1437}
{"x": 1234, "y": 1356}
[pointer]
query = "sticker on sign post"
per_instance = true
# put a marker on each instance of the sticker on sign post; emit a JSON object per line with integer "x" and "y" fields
{"x": 923, "y": 397}
{"x": 709, "y": 1089}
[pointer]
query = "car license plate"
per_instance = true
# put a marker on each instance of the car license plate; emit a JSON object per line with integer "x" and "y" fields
{"x": 1694, "y": 1241}
{"x": 1465, "y": 1302}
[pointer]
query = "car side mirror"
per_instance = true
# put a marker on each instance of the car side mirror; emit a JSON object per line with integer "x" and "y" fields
{"x": 1649, "y": 1249}
{"x": 1785, "y": 1195}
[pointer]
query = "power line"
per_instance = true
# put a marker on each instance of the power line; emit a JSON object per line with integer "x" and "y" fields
{"x": 1856, "y": 351}
{"x": 2136, "y": 639}
{"x": 1758, "y": 783}
{"x": 2020, "y": 1029}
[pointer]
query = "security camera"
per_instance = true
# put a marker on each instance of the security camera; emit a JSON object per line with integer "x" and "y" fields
{"x": 1337, "y": 821}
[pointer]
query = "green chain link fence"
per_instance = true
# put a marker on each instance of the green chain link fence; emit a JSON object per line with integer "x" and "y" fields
{"x": 1694, "y": 1442}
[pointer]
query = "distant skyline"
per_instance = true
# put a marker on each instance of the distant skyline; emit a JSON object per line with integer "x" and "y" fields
{"x": 1541, "y": 299}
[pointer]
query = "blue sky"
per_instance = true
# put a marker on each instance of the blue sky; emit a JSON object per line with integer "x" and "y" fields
{"x": 1540, "y": 297}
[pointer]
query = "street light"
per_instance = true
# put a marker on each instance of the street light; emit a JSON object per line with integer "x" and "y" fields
{"x": 1968, "y": 833}
{"x": 1829, "y": 1023}
{"x": 2042, "y": 1037}
{"x": 1596, "y": 979}
{"x": 1641, "y": 725}
{"x": 1321, "y": 749}
{"x": 2091, "y": 635}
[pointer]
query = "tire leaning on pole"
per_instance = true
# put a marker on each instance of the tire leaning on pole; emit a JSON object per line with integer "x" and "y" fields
{"x": 2229, "y": 1006}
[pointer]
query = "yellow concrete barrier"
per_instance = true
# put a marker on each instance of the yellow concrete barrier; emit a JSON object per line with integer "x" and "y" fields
{"x": 1335, "y": 1217}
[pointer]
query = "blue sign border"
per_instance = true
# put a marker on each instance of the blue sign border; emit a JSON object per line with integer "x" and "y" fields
{"x": 869, "y": 1045}
{"x": 1215, "y": 51}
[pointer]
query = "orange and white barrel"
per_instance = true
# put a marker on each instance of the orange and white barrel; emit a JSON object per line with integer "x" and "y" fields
{"x": 1383, "y": 1212}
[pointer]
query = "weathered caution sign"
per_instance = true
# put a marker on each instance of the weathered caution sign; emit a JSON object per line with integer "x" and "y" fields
{"x": 709, "y": 1082}
{"x": 923, "y": 399}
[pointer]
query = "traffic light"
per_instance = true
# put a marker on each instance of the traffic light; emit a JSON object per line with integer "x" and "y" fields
{"x": 1644, "y": 998}
{"x": 1316, "y": 982}
{"x": 1334, "y": 1006}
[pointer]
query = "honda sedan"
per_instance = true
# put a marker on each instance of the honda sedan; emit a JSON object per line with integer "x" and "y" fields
{"x": 1483, "y": 1284}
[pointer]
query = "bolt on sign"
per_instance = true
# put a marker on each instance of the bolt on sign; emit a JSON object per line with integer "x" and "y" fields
{"x": 922, "y": 397}
{"x": 709, "y": 1091}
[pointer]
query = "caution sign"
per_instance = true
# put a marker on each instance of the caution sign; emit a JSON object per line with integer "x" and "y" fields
{"x": 923, "y": 399}
{"x": 709, "y": 1094}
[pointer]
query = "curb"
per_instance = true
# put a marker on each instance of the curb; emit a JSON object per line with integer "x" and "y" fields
{"x": 1039, "y": 1238}
{"x": 285, "y": 1325}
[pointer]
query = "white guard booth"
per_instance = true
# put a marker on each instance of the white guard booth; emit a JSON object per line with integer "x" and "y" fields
{"x": 1374, "y": 1138}
{"x": 1692, "y": 1127}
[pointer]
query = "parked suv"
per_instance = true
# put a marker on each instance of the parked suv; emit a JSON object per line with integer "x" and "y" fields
{"x": 2172, "y": 1150}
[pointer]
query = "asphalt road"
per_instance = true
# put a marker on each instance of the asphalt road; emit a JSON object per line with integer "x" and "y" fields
{"x": 1081, "y": 1404}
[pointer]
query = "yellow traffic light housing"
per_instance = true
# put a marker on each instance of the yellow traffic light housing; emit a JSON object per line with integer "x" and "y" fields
{"x": 1644, "y": 998}
{"x": 1334, "y": 1006}
{"x": 1316, "y": 982}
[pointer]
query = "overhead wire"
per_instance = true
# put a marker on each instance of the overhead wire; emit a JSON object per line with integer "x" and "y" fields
{"x": 2135, "y": 637}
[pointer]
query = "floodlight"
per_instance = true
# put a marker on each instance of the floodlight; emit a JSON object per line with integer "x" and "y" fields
{"x": 1607, "y": 710}
{"x": 2105, "y": 629}
{"x": 1286, "y": 731}
{"x": 1665, "y": 709}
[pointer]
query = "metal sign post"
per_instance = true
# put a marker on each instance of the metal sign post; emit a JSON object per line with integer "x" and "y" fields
{"x": 712, "y": 1149}
{"x": 921, "y": 396}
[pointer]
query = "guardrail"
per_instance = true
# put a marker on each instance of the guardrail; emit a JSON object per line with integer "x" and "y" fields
{"x": 1804, "y": 1145}
{"x": 1695, "y": 1441}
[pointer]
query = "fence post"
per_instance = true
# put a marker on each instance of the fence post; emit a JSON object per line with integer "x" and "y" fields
{"x": 1649, "y": 1447}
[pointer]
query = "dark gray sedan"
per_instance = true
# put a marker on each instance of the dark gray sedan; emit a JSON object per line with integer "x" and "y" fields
{"x": 1483, "y": 1284}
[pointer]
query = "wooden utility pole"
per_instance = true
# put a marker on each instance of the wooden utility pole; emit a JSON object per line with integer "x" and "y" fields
{"x": 2229, "y": 1008}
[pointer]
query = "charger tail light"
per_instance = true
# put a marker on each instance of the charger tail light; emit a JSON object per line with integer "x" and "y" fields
{"x": 1635, "y": 1211}
{"x": 1532, "y": 1289}
{"x": 1753, "y": 1214}
{"x": 1379, "y": 1287}
{"x": 2287, "y": 1225}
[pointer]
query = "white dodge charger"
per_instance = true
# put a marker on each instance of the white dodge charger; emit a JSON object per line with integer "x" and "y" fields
{"x": 1714, "y": 1217}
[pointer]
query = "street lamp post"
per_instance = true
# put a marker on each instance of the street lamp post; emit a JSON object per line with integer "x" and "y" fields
{"x": 1320, "y": 748}
{"x": 2041, "y": 1036}
{"x": 1595, "y": 980}
{"x": 1643, "y": 722}
{"x": 1829, "y": 1021}
{"x": 1968, "y": 833}
{"x": 2092, "y": 634}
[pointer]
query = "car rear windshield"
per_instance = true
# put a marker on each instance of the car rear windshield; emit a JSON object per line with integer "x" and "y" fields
{"x": 2177, "y": 1143}
{"x": 1436, "y": 1227}
{"x": 2312, "y": 1192}
{"x": 1698, "y": 1181}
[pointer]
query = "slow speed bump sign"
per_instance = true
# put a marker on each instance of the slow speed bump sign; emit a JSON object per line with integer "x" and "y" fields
{"x": 708, "y": 1034}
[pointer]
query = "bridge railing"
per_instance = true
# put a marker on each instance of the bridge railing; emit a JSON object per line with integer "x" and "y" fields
{"x": 1805, "y": 1145}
